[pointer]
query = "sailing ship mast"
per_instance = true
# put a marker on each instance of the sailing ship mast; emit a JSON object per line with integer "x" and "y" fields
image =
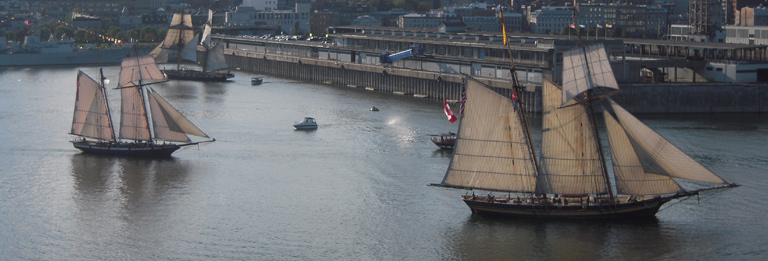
{"x": 92, "y": 108}
{"x": 178, "y": 39}
{"x": 516, "y": 89}
{"x": 106, "y": 101}
{"x": 493, "y": 151}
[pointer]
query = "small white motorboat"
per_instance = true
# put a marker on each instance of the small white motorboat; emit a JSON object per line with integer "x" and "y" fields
{"x": 308, "y": 123}
{"x": 256, "y": 80}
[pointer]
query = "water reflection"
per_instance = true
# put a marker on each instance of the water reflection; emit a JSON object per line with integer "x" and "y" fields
{"x": 126, "y": 182}
{"x": 491, "y": 238}
{"x": 442, "y": 153}
{"x": 91, "y": 173}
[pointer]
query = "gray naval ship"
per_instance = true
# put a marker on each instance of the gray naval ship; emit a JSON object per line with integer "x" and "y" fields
{"x": 33, "y": 52}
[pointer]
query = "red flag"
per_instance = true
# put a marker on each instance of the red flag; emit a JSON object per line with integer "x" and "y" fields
{"x": 448, "y": 112}
{"x": 514, "y": 100}
{"x": 573, "y": 26}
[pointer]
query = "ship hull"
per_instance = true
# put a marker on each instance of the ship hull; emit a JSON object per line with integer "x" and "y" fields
{"x": 127, "y": 149}
{"x": 82, "y": 57}
{"x": 195, "y": 75}
{"x": 640, "y": 209}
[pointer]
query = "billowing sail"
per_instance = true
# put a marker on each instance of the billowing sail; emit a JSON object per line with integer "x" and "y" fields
{"x": 140, "y": 68}
{"x": 586, "y": 68}
{"x": 658, "y": 155}
{"x": 189, "y": 52}
{"x": 91, "y": 117}
{"x": 215, "y": 58}
{"x": 180, "y": 32}
{"x": 569, "y": 156}
{"x": 492, "y": 151}
{"x": 168, "y": 123}
{"x": 133, "y": 115}
{"x": 631, "y": 176}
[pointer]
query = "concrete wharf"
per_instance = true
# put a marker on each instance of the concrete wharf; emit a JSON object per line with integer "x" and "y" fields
{"x": 352, "y": 60}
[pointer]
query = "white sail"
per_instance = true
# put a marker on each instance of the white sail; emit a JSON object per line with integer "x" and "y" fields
{"x": 91, "y": 116}
{"x": 659, "y": 155}
{"x": 206, "y": 40}
{"x": 631, "y": 177}
{"x": 215, "y": 58}
{"x": 135, "y": 69}
{"x": 133, "y": 115}
{"x": 168, "y": 123}
{"x": 586, "y": 68}
{"x": 180, "y": 32}
{"x": 491, "y": 150}
{"x": 189, "y": 52}
{"x": 569, "y": 156}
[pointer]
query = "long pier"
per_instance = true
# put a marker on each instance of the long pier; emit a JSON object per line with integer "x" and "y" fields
{"x": 398, "y": 81}
{"x": 693, "y": 97}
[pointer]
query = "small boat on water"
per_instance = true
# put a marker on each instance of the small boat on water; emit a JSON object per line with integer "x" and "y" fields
{"x": 308, "y": 123}
{"x": 256, "y": 80}
{"x": 374, "y": 108}
{"x": 444, "y": 140}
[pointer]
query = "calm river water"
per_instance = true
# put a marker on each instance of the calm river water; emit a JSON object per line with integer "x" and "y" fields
{"x": 355, "y": 189}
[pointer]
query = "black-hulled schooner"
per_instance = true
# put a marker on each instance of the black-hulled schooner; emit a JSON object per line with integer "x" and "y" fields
{"x": 181, "y": 43}
{"x": 92, "y": 120}
{"x": 570, "y": 178}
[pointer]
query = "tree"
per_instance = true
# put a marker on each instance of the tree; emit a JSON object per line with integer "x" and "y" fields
{"x": 131, "y": 34}
{"x": 19, "y": 35}
{"x": 80, "y": 36}
{"x": 148, "y": 34}
{"x": 113, "y": 31}
{"x": 45, "y": 33}
{"x": 64, "y": 30}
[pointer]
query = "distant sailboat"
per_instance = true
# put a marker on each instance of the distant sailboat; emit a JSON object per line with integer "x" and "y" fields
{"x": 92, "y": 120}
{"x": 180, "y": 41}
{"x": 570, "y": 179}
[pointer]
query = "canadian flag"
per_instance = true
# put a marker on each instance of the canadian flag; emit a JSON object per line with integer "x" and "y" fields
{"x": 448, "y": 112}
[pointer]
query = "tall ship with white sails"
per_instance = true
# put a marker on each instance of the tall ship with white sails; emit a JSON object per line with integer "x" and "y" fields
{"x": 92, "y": 119}
{"x": 181, "y": 42}
{"x": 494, "y": 152}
